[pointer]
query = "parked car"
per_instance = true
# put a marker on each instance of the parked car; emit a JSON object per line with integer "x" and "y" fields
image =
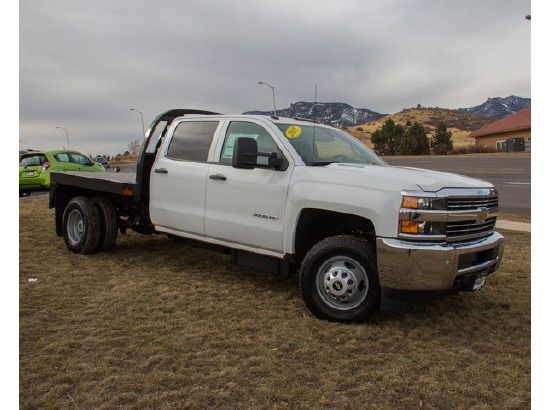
{"x": 102, "y": 160}
{"x": 35, "y": 168}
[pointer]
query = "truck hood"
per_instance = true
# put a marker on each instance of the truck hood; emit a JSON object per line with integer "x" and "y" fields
{"x": 427, "y": 180}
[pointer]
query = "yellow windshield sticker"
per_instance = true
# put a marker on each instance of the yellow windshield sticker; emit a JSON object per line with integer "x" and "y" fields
{"x": 293, "y": 131}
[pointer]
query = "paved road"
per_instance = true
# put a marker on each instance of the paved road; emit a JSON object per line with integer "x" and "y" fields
{"x": 511, "y": 174}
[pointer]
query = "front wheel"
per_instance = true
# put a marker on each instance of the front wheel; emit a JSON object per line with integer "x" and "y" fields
{"x": 339, "y": 280}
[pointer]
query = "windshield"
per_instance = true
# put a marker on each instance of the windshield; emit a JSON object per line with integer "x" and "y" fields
{"x": 322, "y": 146}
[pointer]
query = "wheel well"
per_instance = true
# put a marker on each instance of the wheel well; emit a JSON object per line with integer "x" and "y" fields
{"x": 315, "y": 225}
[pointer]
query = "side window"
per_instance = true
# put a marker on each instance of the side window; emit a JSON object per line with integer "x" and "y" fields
{"x": 191, "y": 140}
{"x": 80, "y": 159}
{"x": 238, "y": 129}
{"x": 62, "y": 157}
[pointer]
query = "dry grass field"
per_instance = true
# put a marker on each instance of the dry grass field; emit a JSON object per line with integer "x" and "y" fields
{"x": 155, "y": 324}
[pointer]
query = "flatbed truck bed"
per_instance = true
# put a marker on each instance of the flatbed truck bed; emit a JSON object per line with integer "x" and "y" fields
{"x": 117, "y": 183}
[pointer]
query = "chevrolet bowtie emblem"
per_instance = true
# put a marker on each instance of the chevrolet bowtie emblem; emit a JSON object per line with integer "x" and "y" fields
{"x": 482, "y": 215}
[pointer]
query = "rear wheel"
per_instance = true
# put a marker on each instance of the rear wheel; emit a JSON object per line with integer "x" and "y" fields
{"x": 339, "y": 281}
{"x": 109, "y": 224}
{"x": 81, "y": 226}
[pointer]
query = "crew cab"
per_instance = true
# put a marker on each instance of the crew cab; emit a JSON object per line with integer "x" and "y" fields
{"x": 286, "y": 195}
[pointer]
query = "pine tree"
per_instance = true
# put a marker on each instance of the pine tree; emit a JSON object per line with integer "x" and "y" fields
{"x": 415, "y": 141}
{"x": 388, "y": 138}
{"x": 442, "y": 141}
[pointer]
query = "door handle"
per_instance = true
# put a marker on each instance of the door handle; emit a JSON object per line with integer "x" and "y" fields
{"x": 161, "y": 171}
{"x": 218, "y": 177}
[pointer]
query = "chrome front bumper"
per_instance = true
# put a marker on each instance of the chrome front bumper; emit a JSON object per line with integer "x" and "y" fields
{"x": 407, "y": 265}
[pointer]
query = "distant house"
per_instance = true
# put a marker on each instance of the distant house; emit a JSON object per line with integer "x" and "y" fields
{"x": 511, "y": 133}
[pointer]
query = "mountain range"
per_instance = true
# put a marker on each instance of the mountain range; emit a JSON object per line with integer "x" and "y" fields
{"x": 344, "y": 115}
{"x": 337, "y": 114}
{"x": 499, "y": 107}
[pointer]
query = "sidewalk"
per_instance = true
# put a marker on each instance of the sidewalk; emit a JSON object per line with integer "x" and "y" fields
{"x": 514, "y": 226}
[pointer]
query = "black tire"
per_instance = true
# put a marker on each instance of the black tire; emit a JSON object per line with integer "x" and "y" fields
{"x": 81, "y": 226}
{"x": 109, "y": 224}
{"x": 339, "y": 280}
{"x": 24, "y": 194}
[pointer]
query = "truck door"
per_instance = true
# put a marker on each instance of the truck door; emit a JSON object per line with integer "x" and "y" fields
{"x": 247, "y": 205}
{"x": 178, "y": 178}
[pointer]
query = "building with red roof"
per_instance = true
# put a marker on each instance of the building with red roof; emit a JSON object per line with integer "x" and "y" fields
{"x": 510, "y": 133}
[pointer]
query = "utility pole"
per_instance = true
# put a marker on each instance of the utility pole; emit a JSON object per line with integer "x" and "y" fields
{"x": 273, "y": 91}
{"x": 142, "y": 123}
{"x": 66, "y": 133}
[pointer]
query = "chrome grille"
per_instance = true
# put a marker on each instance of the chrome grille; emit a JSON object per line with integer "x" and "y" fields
{"x": 475, "y": 227}
{"x": 451, "y": 214}
{"x": 466, "y": 203}
{"x": 469, "y": 228}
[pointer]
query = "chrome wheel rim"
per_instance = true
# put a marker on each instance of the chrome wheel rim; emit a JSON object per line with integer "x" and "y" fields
{"x": 75, "y": 227}
{"x": 342, "y": 283}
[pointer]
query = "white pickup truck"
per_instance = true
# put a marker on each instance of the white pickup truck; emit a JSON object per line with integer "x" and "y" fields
{"x": 282, "y": 195}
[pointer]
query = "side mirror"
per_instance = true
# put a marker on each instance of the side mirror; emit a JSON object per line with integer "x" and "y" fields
{"x": 274, "y": 162}
{"x": 245, "y": 153}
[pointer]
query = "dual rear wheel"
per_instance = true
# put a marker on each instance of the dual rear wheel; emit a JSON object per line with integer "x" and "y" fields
{"x": 89, "y": 225}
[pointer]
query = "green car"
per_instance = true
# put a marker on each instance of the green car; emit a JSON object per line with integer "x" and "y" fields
{"x": 35, "y": 168}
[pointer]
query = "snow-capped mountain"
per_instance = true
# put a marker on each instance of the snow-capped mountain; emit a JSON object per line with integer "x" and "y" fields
{"x": 344, "y": 115}
{"x": 499, "y": 107}
{"x": 337, "y": 114}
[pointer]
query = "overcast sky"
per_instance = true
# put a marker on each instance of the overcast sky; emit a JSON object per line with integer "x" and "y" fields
{"x": 84, "y": 64}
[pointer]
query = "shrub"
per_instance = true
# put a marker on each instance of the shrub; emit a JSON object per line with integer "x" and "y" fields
{"x": 472, "y": 149}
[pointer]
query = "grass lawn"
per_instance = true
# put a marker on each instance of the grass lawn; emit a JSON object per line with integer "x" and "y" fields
{"x": 155, "y": 324}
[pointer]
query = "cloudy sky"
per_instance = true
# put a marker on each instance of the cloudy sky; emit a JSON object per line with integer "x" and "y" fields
{"x": 84, "y": 64}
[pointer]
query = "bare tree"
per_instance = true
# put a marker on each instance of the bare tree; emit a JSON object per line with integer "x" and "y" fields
{"x": 134, "y": 146}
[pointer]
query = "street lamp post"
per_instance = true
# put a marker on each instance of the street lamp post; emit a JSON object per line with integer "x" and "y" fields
{"x": 66, "y": 133}
{"x": 142, "y": 123}
{"x": 273, "y": 90}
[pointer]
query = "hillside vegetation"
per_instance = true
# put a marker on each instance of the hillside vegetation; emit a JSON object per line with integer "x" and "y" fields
{"x": 461, "y": 124}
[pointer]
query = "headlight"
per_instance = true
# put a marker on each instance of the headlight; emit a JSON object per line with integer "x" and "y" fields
{"x": 421, "y": 215}
{"x": 417, "y": 202}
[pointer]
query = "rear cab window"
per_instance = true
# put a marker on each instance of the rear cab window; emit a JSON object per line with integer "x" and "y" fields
{"x": 191, "y": 141}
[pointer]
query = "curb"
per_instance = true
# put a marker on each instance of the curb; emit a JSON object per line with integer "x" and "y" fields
{"x": 514, "y": 226}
